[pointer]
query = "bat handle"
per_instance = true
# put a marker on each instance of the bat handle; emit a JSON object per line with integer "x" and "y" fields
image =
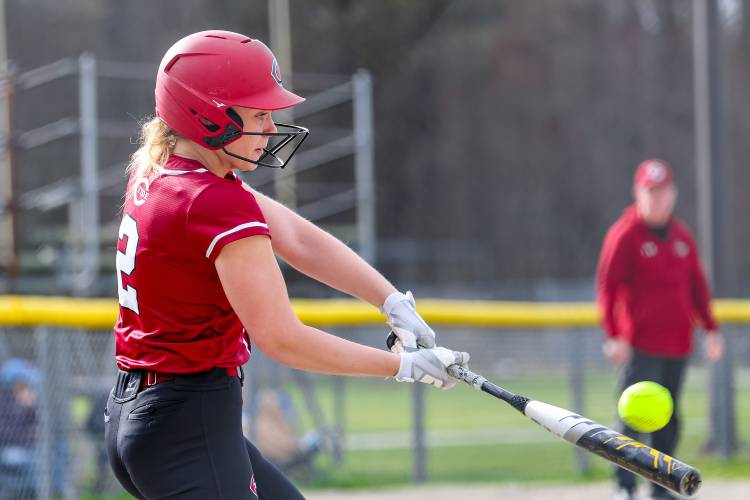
{"x": 473, "y": 379}
{"x": 391, "y": 341}
{"x": 480, "y": 383}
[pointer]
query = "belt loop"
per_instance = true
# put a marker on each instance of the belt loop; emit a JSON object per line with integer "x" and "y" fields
{"x": 242, "y": 376}
{"x": 149, "y": 383}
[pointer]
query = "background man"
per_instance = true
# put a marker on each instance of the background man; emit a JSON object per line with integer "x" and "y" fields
{"x": 651, "y": 290}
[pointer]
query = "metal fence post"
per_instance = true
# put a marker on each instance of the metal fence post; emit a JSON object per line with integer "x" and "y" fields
{"x": 339, "y": 418}
{"x": 419, "y": 468}
{"x": 89, "y": 228}
{"x": 44, "y": 429}
{"x": 712, "y": 180}
{"x": 364, "y": 164}
{"x": 578, "y": 388}
{"x": 722, "y": 404}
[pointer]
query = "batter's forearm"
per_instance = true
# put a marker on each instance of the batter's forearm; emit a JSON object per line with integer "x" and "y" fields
{"x": 314, "y": 350}
{"x": 328, "y": 260}
{"x": 314, "y": 252}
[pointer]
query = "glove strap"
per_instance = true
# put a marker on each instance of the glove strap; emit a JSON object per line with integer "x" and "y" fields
{"x": 405, "y": 368}
{"x": 395, "y": 298}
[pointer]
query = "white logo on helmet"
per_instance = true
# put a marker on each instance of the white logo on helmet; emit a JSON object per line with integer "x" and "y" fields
{"x": 649, "y": 249}
{"x": 275, "y": 73}
{"x": 218, "y": 104}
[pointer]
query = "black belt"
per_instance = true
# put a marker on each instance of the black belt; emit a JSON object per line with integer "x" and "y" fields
{"x": 151, "y": 378}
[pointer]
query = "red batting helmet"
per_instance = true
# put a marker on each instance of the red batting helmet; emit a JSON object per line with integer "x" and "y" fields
{"x": 202, "y": 76}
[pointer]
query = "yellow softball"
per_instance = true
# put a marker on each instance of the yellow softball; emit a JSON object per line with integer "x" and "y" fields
{"x": 646, "y": 406}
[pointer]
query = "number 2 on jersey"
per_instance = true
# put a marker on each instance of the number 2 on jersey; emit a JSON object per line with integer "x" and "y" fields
{"x": 127, "y": 243}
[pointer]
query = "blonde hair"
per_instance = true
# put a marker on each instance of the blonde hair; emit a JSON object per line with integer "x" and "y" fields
{"x": 156, "y": 143}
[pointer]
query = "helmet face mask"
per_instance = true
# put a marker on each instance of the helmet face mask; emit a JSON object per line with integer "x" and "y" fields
{"x": 281, "y": 147}
{"x": 204, "y": 75}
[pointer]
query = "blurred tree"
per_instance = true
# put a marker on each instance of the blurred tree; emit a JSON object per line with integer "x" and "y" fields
{"x": 507, "y": 132}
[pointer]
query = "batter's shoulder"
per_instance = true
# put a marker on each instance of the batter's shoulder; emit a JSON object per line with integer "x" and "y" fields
{"x": 221, "y": 193}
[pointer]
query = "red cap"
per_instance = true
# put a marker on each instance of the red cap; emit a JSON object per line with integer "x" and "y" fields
{"x": 653, "y": 173}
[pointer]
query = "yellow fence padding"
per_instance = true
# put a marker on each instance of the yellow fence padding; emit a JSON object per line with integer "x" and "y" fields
{"x": 18, "y": 310}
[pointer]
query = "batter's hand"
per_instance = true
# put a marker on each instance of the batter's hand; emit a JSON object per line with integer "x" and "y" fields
{"x": 429, "y": 366}
{"x": 714, "y": 346}
{"x": 618, "y": 351}
{"x": 406, "y": 323}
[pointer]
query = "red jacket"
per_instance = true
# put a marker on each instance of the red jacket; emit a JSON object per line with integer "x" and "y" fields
{"x": 652, "y": 290}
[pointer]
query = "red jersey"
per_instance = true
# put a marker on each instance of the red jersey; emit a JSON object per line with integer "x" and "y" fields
{"x": 651, "y": 289}
{"x": 174, "y": 316}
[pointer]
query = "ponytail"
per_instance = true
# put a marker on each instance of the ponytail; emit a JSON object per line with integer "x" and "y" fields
{"x": 156, "y": 143}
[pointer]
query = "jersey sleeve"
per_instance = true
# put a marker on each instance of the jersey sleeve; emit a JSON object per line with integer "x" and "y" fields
{"x": 613, "y": 274}
{"x": 700, "y": 292}
{"x": 221, "y": 214}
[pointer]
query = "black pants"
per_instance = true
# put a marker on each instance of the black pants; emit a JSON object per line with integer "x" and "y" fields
{"x": 182, "y": 439}
{"x": 668, "y": 372}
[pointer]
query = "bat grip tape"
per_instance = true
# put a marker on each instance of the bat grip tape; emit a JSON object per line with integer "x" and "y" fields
{"x": 473, "y": 379}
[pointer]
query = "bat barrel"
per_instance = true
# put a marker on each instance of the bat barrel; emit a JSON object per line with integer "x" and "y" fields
{"x": 614, "y": 447}
{"x": 643, "y": 460}
{"x": 690, "y": 482}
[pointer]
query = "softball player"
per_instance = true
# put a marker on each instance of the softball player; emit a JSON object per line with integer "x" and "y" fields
{"x": 198, "y": 279}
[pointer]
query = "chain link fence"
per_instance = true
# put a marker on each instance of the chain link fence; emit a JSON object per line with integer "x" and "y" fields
{"x": 55, "y": 381}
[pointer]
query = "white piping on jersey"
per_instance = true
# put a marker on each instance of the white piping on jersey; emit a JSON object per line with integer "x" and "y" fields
{"x": 233, "y": 230}
{"x": 244, "y": 341}
{"x": 180, "y": 172}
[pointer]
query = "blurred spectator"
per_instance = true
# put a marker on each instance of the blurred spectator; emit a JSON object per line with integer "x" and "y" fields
{"x": 95, "y": 430}
{"x": 19, "y": 382}
{"x": 651, "y": 291}
{"x": 278, "y": 436}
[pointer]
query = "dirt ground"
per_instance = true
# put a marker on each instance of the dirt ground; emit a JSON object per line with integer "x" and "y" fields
{"x": 727, "y": 490}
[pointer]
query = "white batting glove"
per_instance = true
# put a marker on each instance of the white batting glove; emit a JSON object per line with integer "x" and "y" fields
{"x": 406, "y": 322}
{"x": 429, "y": 366}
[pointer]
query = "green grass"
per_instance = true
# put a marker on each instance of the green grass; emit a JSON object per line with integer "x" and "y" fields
{"x": 530, "y": 453}
{"x": 377, "y": 406}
